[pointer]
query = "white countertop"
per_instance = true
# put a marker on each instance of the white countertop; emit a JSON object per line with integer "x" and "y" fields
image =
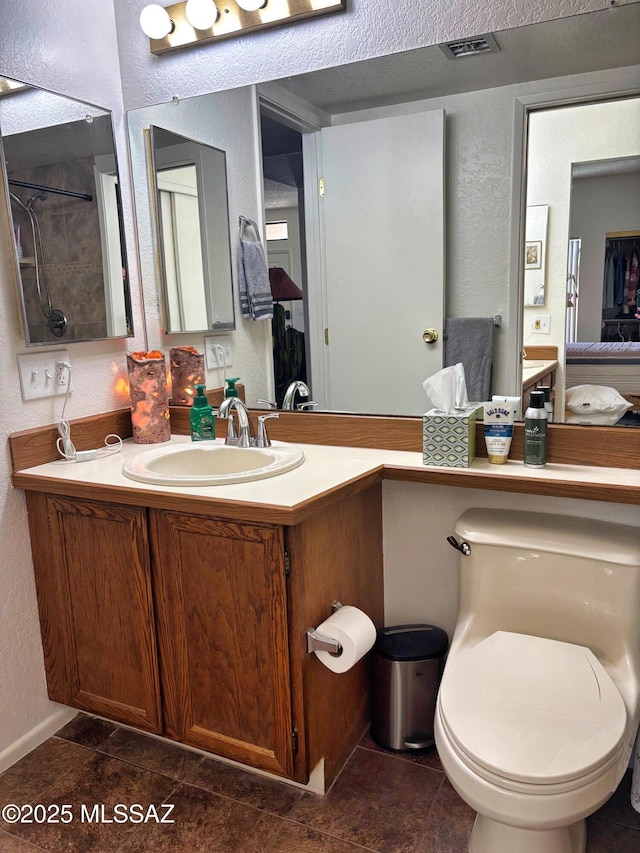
{"x": 325, "y": 469}
{"x": 536, "y": 367}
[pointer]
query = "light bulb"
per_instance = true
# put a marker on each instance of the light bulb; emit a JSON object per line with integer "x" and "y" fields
{"x": 155, "y": 21}
{"x": 252, "y": 5}
{"x": 201, "y": 14}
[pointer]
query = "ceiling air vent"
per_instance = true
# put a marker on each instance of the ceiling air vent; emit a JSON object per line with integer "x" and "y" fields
{"x": 470, "y": 47}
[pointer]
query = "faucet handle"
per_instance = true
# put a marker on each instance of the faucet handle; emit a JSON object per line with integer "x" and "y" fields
{"x": 268, "y": 403}
{"x": 309, "y": 404}
{"x": 232, "y": 435}
{"x": 262, "y": 439}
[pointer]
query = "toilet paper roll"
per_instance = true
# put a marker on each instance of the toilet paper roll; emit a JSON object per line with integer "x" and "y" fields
{"x": 355, "y": 632}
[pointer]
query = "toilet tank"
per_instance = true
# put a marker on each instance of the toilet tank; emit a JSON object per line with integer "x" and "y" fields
{"x": 570, "y": 579}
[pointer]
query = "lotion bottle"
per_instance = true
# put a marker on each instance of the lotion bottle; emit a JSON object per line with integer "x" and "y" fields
{"x": 201, "y": 417}
{"x": 535, "y": 432}
{"x": 548, "y": 405}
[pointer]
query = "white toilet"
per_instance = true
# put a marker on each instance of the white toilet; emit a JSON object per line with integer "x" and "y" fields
{"x": 539, "y": 703}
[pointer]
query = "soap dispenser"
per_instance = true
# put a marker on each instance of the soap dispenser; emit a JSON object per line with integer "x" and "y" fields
{"x": 231, "y": 390}
{"x": 201, "y": 417}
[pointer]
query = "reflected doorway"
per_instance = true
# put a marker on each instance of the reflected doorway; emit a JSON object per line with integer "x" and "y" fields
{"x": 283, "y": 177}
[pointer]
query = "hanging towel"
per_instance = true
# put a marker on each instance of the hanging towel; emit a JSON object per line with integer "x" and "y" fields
{"x": 253, "y": 274}
{"x": 470, "y": 340}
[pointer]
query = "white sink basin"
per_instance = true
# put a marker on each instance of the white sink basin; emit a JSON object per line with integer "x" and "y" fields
{"x": 210, "y": 464}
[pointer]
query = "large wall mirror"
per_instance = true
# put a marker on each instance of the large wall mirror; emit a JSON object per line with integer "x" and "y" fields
{"x": 483, "y": 99}
{"x": 192, "y": 233}
{"x": 61, "y": 177}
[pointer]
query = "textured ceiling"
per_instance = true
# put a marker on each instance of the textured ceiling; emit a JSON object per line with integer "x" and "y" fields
{"x": 591, "y": 42}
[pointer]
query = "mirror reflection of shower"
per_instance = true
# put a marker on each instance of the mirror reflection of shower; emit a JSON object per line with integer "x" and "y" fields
{"x": 54, "y": 316}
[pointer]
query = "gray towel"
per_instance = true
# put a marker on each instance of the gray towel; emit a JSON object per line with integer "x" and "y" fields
{"x": 253, "y": 275}
{"x": 470, "y": 340}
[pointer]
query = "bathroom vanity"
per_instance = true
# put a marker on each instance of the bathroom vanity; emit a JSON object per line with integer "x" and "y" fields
{"x": 183, "y": 611}
{"x": 186, "y": 624}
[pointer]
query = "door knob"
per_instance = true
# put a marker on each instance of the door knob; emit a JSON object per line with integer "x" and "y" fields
{"x": 430, "y": 336}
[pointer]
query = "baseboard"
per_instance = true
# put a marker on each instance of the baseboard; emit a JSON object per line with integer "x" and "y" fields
{"x": 35, "y": 736}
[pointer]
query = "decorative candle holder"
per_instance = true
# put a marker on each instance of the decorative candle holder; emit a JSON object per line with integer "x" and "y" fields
{"x": 187, "y": 371}
{"x": 149, "y": 397}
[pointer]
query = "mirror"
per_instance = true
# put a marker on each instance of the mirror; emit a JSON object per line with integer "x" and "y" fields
{"x": 62, "y": 182}
{"x": 192, "y": 233}
{"x": 484, "y": 226}
{"x": 588, "y": 179}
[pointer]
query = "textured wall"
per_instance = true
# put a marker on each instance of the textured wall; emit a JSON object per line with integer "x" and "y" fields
{"x": 68, "y": 46}
{"x": 368, "y": 28}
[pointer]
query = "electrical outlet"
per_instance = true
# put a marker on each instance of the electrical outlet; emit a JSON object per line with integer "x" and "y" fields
{"x": 215, "y": 357}
{"x": 541, "y": 324}
{"x": 42, "y": 374}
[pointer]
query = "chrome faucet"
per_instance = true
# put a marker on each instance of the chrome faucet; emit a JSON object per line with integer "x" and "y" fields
{"x": 244, "y": 438}
{"x": 289, "y": 395}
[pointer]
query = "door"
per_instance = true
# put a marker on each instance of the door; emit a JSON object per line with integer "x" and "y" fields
{"x": 383, "y": 218}
{"x": 92, "y": 570}
{"x": 220, "y": 593}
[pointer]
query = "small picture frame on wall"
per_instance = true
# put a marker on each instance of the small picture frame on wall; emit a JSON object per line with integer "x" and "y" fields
{"x": 533, "y": 255}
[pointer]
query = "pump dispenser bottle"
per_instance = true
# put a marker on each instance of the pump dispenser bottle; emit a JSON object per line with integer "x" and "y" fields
{"x": 535, "y": 432}
{"x": 201, "y": 417}
{"x": 231, "y": 390}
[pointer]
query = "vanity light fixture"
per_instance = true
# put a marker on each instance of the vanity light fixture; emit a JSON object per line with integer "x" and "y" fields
{"x": 201, "y": 14}
{"x": 202, "y": 22}
{"x": 155, "y": 21}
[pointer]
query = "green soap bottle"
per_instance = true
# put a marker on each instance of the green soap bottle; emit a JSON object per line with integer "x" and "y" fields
{"x": 231, "y": 390}
{"x": 201, "y": 417}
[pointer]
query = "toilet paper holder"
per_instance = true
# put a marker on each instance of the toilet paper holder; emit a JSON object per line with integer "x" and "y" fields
{"x": 317, "y": 643}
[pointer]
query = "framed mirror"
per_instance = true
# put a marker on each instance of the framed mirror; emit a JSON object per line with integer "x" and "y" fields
{"x": 61, "y": 176}
{"x": 483, "y": 98}
{"x": 192, "y": 233}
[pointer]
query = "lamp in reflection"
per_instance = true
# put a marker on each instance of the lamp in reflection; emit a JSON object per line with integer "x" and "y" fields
{"x": 200, "y": 22}
{"x": 187, "y": 371}
{"x": 283, "y": 288}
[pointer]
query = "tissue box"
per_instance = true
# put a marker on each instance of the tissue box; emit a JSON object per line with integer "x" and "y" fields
{"x": 449, "y": 440}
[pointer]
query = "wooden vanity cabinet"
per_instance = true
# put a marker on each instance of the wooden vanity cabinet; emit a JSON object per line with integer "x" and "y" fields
{"x": 93, "y": 580}
{"x": 194, "y": 627}
{"x": 221, "y": 616}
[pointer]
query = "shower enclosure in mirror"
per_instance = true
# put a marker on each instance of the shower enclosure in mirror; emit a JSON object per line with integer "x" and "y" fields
{"x": 192, "y": 233}
{"x": 61, "y": 177}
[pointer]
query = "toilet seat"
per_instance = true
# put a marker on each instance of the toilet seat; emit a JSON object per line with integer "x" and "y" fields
{"x": 527, "y": 710}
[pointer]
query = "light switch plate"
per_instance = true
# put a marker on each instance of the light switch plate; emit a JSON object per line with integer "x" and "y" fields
{"x": 41, "y": 377}
{"x": 541, "y": 324}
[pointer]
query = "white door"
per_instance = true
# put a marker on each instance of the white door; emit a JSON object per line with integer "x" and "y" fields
{"x": 383, "y": 222}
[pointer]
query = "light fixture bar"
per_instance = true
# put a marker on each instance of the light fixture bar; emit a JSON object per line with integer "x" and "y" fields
{"x": 234, "y": 21}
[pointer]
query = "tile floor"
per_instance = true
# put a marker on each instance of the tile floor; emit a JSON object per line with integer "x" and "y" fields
{"x": 381, "y": 802}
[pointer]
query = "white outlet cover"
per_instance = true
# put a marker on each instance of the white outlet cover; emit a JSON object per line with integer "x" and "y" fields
{"x": 37, "y": 373}
{"x": 212, "y": 355}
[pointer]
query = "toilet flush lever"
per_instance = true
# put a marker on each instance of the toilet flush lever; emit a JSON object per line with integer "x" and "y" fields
{"x": 463, "y": 547}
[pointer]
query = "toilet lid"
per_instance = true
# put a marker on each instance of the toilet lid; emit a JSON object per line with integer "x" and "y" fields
{"x": 532, "y": 709}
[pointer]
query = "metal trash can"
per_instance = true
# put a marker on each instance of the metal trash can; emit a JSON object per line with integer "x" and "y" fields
{"x": 407, "y": 665}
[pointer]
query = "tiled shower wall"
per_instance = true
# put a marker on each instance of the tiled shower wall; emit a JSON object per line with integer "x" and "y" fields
{"x": 72, "y": 253}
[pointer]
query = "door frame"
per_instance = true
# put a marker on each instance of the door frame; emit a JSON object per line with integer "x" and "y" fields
{"x": 293, "y": 112}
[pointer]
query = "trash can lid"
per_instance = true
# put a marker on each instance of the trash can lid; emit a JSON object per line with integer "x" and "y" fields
{"x": 411, "y": 642}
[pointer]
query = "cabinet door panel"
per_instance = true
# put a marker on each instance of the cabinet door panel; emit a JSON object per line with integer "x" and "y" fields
{"x": 220, "y": 594}
{"x": 94, "y": 594}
